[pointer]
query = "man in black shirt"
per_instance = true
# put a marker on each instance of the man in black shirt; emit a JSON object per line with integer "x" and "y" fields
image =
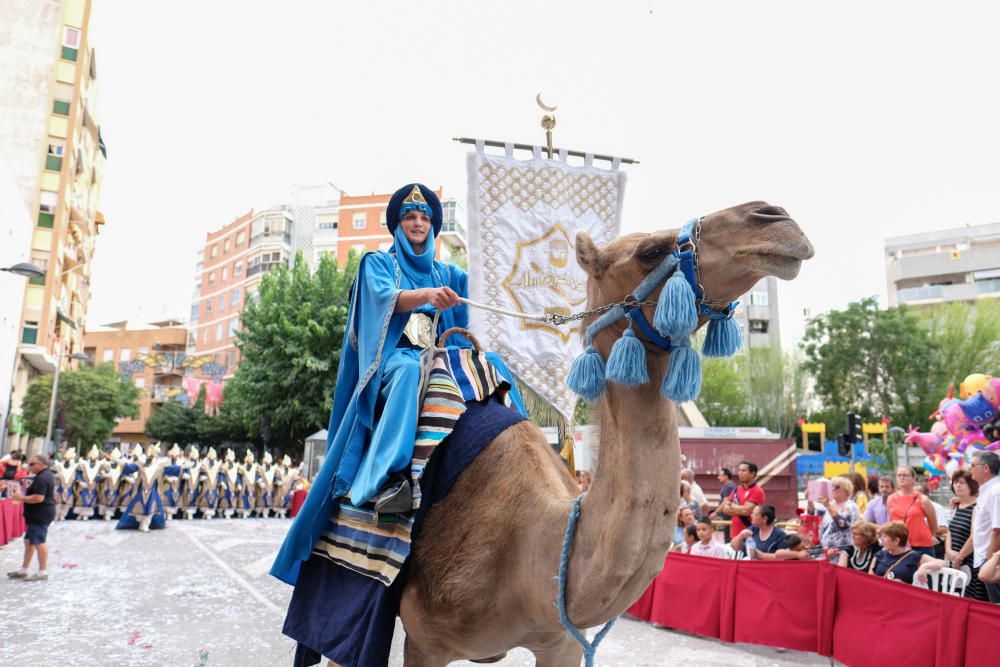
{"x": 39, "y": 512}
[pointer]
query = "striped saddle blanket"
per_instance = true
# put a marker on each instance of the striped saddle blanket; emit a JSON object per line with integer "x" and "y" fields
{"x": 376, "y": 545}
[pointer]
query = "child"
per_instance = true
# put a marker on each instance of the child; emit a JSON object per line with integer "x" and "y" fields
{"x": 690, "y": 537}
{"x": 706, "y": 545}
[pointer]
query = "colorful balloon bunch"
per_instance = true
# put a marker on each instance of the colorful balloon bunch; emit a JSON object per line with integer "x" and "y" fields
{"x": 959, "y": 429}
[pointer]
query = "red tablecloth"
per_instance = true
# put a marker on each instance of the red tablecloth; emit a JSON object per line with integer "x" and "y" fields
{"x": 857, "y": 618}
{"x": 11, "y": 521}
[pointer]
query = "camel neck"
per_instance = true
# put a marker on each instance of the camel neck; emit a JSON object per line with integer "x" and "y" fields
{"x": 627, "y": 519}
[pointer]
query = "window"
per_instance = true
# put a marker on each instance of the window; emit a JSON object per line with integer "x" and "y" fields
{"x": 142, "y": 351}
{"x": 225, "y": 274}
{"x": 381, "y": 218}
{"x": 222, "y": 302}
{"x": 448, "y": 211}
{"x": 208, "y": 307}
{"x": 60, "y": 107}
{"x": 215, "y": 251}
{"x": 54, "y": 157}
{"x": 30, "y": 334}
{"x": 238, "y": 269}
{"x": 240, "y": 238}
{"x": 126, "y": 355}
{"x": 48, "y": 202}
{"x": 758, "y": 298}
{"x": 758, "y": 326}
{"x": 109, "y": 355}
{"x": 140, "y": 382}
{"x": 359, "y": 248}
{"x": 234, "y": 297}
{"x": 326, "y": 222}
{"x": 218, "y": 332}
{"x": 211, "y": 278}
{"x": 225, "y": 247}
{"x": 194, "y": 311}
{"x": 360, "y": 219}
{"x": 205, "y": 337}
{"x": 233, "y": 326}
{"x": 71, "y": 37}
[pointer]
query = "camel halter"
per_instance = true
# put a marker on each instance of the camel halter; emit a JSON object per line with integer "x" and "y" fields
{"x": 681, "y": 302}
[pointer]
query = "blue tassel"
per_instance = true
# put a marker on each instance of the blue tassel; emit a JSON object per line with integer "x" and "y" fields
{"x": 683, "y": 380}
{"x": 676, "y": 315}
{"x": 586, "y": 377}
{"x": 627, "y": 362}
{"x": 723, "y": 338}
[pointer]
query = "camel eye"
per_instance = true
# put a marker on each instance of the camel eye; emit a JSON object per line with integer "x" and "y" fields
{"x": 653, "y": 254}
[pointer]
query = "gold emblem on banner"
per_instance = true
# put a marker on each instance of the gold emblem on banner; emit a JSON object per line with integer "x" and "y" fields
{"x": 544, "y": 275}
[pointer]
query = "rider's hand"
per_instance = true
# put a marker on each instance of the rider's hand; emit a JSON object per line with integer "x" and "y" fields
{"x": 442, "y": 298}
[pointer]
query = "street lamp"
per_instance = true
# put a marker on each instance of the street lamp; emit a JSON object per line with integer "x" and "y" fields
{"x": 24, "y": 269}
{"x": 55, "y": 392}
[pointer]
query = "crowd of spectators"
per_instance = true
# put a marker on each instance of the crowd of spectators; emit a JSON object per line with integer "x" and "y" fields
{"x": 888, "y": 527}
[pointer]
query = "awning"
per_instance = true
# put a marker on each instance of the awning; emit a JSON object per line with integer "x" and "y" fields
{"x": 38, "y": 357}
{"x": 61, "y": 317}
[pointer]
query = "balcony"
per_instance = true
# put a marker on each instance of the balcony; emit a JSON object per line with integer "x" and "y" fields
{"x": 947, "y": 293}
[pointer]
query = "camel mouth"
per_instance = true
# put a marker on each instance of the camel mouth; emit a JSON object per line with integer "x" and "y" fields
{"x": 783, "y": 261}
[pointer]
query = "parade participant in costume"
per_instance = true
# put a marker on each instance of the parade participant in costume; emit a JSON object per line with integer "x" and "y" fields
{"x": 284, "y": 484}
{"x": 65, "y": 472}
{"x": 207, "y": 495}
{"x": 228, "y": 480}
{"x": 264, "y": 489}
{"x": 246, "y": 486}
{"x": 189, "y": 483}
{"x": 373, "y": 423}
{"x": 109, "y": 485}
{"x": 171, "y": 495}
{"x": 145, "y": 511}
{"x": 85, "y": 487}
{"x": 128, "y": 483}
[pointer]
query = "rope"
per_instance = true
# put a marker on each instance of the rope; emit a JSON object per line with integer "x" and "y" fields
{"x": 589, "y": 648}
{"x": 501, "y": 311}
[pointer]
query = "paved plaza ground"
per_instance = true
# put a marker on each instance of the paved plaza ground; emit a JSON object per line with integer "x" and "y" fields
{"x": 198, "y": 594}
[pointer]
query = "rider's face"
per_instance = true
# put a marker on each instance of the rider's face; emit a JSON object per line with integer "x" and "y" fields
{"x": 416, "y": 225}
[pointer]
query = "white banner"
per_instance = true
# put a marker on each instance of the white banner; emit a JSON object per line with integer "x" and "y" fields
{"x": 523, "y": 220}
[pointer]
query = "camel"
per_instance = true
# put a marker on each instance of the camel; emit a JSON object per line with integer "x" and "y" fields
{"x": 484, "y": 579}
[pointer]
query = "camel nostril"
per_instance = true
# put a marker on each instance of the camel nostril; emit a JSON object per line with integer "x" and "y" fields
{"x": 776, "y": 211}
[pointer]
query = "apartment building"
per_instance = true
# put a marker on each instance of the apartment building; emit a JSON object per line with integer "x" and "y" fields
{"x": 151, "y": 356}
{"x": 956, "y": 264}
{"x": 53, "y": 146}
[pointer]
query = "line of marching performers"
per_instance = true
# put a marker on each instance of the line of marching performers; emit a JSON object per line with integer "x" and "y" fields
{"x": 145, "y": 490}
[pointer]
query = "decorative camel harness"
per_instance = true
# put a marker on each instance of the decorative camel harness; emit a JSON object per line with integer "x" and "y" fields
{"x": 681, "y": 302}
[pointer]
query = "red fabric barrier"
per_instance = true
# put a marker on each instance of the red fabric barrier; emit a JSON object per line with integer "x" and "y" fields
{"x": 813, "y": 606}
{"x": 11, "y": 521}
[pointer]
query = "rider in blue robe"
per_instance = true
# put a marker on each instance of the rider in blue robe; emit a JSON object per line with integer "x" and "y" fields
{"x": 374, "y": 417}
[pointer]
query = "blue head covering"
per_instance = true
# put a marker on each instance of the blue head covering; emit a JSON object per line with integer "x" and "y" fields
{"x": 418, "y": 269}
{"x": 413, "y": 196}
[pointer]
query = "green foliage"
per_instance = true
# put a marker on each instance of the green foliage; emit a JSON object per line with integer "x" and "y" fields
{"x": 92, "y": 399}
{"x": 872, "y": 361}
{"x": 290, "y": 343}
{"x": 174, "y": 423}
{"x": 761, "y": 386}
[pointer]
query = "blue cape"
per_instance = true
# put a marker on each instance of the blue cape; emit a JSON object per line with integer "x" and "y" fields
{"x": 370, "y": 339}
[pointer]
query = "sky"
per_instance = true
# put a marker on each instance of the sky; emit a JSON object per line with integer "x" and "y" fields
{"x": 864, "y": 120}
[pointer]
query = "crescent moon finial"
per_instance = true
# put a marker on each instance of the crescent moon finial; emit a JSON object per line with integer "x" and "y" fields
{"x": 543, "y": 105}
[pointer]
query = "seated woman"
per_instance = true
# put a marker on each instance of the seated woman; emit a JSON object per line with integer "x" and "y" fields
{"x": 763, "y": 537}
{"x": 859, "y": 555}
{"x": 897, "y": 561}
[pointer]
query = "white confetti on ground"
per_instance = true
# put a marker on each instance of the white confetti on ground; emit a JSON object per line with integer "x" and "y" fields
{"x": 197, "y": 594}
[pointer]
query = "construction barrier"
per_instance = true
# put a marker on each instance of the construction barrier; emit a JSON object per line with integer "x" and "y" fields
{"x": 857, "y": 618}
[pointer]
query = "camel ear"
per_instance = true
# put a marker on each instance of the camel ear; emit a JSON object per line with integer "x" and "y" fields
{"x": 591, "y": 258}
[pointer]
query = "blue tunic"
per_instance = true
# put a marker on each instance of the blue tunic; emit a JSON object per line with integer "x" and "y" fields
{"x": 368, "y": 437}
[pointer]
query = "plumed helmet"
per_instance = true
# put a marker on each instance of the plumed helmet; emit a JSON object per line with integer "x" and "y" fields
{"x": 413, "y": 195}
{"x": 286, "y": 461}
{"x": 230, "y": 455}
{"x": 212, "y": 455}
{"x": 267, "y": 458}
{"x": 94, "y": 453}
{"x": 136, "y": 451}
{"x": 174, "y": 451}
{"x": 248, "y": 457}
{"x": 70, "y": 454}
{"x": 193, "y": 453}
{"x": 116, "y": 454}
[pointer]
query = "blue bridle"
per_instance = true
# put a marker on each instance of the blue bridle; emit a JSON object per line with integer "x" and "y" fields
{"x": 681, "y": 303}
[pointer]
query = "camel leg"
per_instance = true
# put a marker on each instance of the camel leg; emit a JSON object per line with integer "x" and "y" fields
{"x": 562, "y": 652}
{"x": 414, "y": 656}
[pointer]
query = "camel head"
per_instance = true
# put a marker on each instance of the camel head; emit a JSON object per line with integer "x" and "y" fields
{"x": 734, "y": 248}
{"x": 738, "y": 246}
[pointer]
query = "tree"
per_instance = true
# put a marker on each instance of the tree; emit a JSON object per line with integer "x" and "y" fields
{"x": 290, "y": 342}
{"x": 92, "y": 400}
{"x": 872, "y": 361}
{"x": 175, "y": 423}
{"x": 723, "y": 400}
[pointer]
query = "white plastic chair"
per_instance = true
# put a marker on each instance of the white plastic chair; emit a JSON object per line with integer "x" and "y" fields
{"x": 946, "y": 580}
{"x": 733, "y": 554}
